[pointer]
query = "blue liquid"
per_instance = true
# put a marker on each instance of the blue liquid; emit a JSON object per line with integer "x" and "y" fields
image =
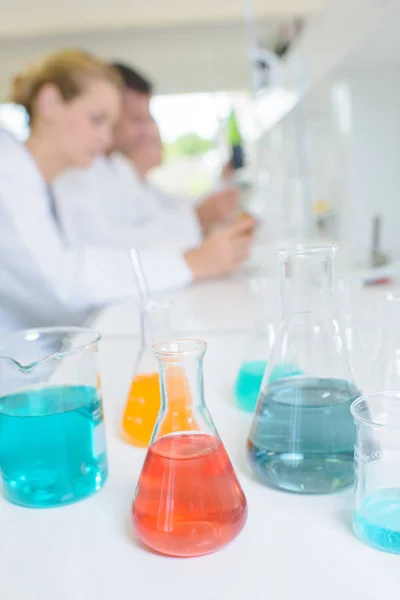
{"x": 249, "y": 380}
{"x": 303, "y": 435}
{"x": 377, "y": 521}
{"x": 248, "y": 384}
{"x": 52, "y": 445}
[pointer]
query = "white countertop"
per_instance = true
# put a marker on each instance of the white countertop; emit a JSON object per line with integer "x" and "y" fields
{"x": 206, "y": 308}
{"x": 293, "y": 546}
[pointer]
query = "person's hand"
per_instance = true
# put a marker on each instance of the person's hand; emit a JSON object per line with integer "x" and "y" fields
{"x": 245, "y": 216}
{"x": 218, "y": 206}
{"x": 222, "y": 251}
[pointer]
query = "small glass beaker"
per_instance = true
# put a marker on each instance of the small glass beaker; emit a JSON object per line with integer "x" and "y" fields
{"x": 144, "y": 399}
{"x": 188, "y": 500}
{"x": 377, "y": 466}
{"x": 302, "y": 436}
{"x": 52, "y": 440}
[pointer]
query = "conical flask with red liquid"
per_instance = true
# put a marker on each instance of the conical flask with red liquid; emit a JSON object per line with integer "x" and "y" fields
{"x": 143, "y": 401}
{"x": 188, "y": 500}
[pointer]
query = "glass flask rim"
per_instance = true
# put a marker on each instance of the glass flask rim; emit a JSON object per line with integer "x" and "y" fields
{"x": 304, "y": 249}
{"x": 355, "y": 407}
{"x": 164, "y": 348}
{"x": 37, "y": 333}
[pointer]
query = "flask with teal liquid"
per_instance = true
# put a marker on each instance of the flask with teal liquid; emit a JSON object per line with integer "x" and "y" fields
{"x": 302, "y": 436}
{"x": 258, "y": 350}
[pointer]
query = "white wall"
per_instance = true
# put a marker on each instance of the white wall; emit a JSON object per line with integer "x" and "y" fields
{"x": 352, "y": 122}
{"x": 374, "y": 161}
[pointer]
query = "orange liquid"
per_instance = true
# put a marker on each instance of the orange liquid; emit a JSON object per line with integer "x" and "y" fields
{"x": 188, "y": 501}
{"x": 141, "y": 410}
{"x": 144, "y": 402}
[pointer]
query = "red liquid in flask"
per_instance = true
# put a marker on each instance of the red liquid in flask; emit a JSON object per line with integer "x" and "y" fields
{"x": 189, "y": 501}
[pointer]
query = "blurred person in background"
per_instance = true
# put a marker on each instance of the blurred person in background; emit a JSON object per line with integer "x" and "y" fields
{"x": 73, "y": 101}
{"x": 134, "y": 124}
{"x": 151, "y": 202}
{"x": 105, "y": 205}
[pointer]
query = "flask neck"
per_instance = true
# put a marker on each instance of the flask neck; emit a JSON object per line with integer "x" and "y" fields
{"x": 182, "y": 377}
{"x": 308, "y": 280}
{"x": 183, "y": 407}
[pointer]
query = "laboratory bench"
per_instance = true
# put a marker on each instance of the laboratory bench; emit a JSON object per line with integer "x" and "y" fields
{"x": 293, "y": 546}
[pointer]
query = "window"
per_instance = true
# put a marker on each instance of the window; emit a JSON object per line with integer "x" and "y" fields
{"x": 14, "y": 118}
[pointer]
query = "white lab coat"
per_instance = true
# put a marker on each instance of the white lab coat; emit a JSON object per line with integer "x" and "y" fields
{"x": 109, "y": 204}
{"x": 149, "y": 205}
{"x": 45, "y": 280}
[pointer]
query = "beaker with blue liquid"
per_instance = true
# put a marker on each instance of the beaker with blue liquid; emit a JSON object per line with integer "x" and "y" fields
{"x": 52, "y": 439}
{"x": 302, "y": 436}
{"x": 377, "y": 467}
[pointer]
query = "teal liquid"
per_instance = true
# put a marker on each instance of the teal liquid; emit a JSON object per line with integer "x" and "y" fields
{"x": 248, "y": 384}
{"x": 52, "y": 445}
{"x": 303, "y": 435}
{"x": 377, "y": 521}
{"x": 249, "y": 380}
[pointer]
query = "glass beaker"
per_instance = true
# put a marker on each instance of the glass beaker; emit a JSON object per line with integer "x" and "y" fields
{"x": 384, "y": 372}
{"x": 144, "y": 400}
{"x": 188, "y": 500}
{"x": 302, "y": 436}
{"x": 377, "y": 466}
{"x": 52, "y": 440}
{"x": 257, "y": 351}
{"x": 252, "y": 369}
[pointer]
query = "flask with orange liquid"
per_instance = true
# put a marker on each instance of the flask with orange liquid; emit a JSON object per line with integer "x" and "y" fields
{"x": 188, "y": 500}
{"x": 143, "y": 402}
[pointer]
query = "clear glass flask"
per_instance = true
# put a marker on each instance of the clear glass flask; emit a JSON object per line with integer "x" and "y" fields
{"x": 302, "y": 436}
{"x": 188, "y": 500}
{"x": 52, "y": 440}
{"x": 144, "y": 400}
{"x": 384, "y": 370}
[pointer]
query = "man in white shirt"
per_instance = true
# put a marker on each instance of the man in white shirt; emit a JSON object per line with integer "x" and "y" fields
{"x": 151, "y": 203}
{"x": 134, "y": 126}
